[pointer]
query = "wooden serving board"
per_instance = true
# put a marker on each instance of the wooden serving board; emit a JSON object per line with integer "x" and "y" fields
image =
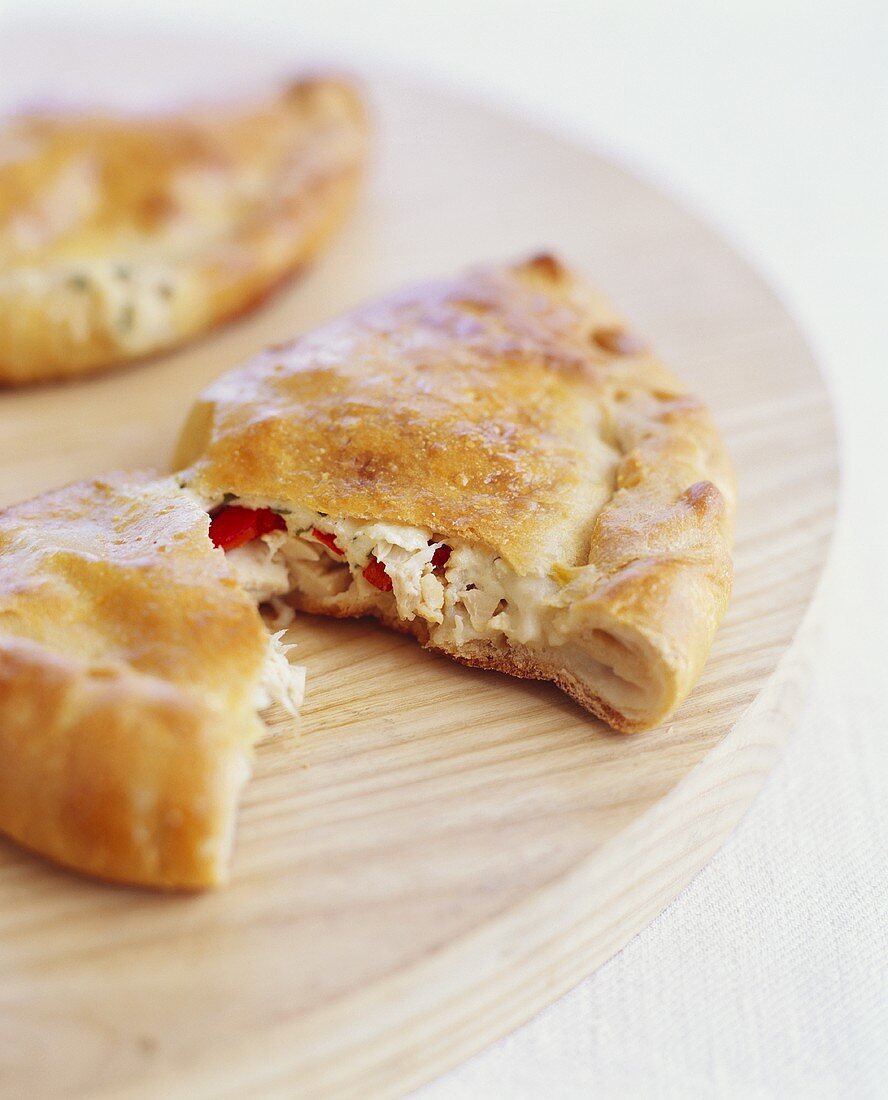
{"x": 441, "y": 851}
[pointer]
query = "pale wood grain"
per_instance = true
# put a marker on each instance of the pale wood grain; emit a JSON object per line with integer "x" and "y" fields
{"x": 442, "y": 851}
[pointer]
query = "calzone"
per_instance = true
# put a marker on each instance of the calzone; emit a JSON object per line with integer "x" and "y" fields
{"x": 124, "y": 235}
{"x": 493, "y": 464}
{"x": 132, "y": 668}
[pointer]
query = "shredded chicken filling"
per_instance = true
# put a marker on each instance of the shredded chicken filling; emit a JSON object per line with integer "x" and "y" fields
{"x": 282, "y": 683}
{"x": 462, "y": 592}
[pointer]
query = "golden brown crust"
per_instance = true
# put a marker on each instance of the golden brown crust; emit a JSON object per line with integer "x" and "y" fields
{"x": 120, "y": 237}
{"x": 129, "y": 661}
{"x": 509, "y": 409}
{"x": 114, "y": 774}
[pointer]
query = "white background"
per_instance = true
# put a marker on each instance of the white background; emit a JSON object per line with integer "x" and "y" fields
{"x": 768, "y": 976}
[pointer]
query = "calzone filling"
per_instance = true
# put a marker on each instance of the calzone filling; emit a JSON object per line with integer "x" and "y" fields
{"x": 463, "y": 593}
{"x": 282, "y": 683}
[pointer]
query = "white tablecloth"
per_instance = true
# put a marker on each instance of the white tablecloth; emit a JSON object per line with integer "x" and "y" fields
{"x": 767, "y": 977}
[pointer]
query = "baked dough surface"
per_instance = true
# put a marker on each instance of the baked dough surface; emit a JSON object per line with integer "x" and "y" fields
{"x": 123, "y": 236}
{"x": 129, "y": 664}
{"x": 508, "y": 409}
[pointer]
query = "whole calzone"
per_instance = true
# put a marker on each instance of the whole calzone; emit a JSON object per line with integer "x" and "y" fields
{"x": 125, "y": 235}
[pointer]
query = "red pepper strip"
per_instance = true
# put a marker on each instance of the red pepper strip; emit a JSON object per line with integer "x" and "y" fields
{"x": 268, "y": 521}
{"x": 236, "y": 525}
{"x": 441, "y": 556}
{"x": 328, "y": 540}
{"x": 375, "y": 574}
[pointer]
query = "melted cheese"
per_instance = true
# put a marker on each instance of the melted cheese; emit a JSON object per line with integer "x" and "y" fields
{"x": 136, "y": 302}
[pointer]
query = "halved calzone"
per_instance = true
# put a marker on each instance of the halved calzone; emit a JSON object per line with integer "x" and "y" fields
{"x": 493, "y": 464}
{"x": 121, "y": 236}
{"x": 132, "y": 666}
